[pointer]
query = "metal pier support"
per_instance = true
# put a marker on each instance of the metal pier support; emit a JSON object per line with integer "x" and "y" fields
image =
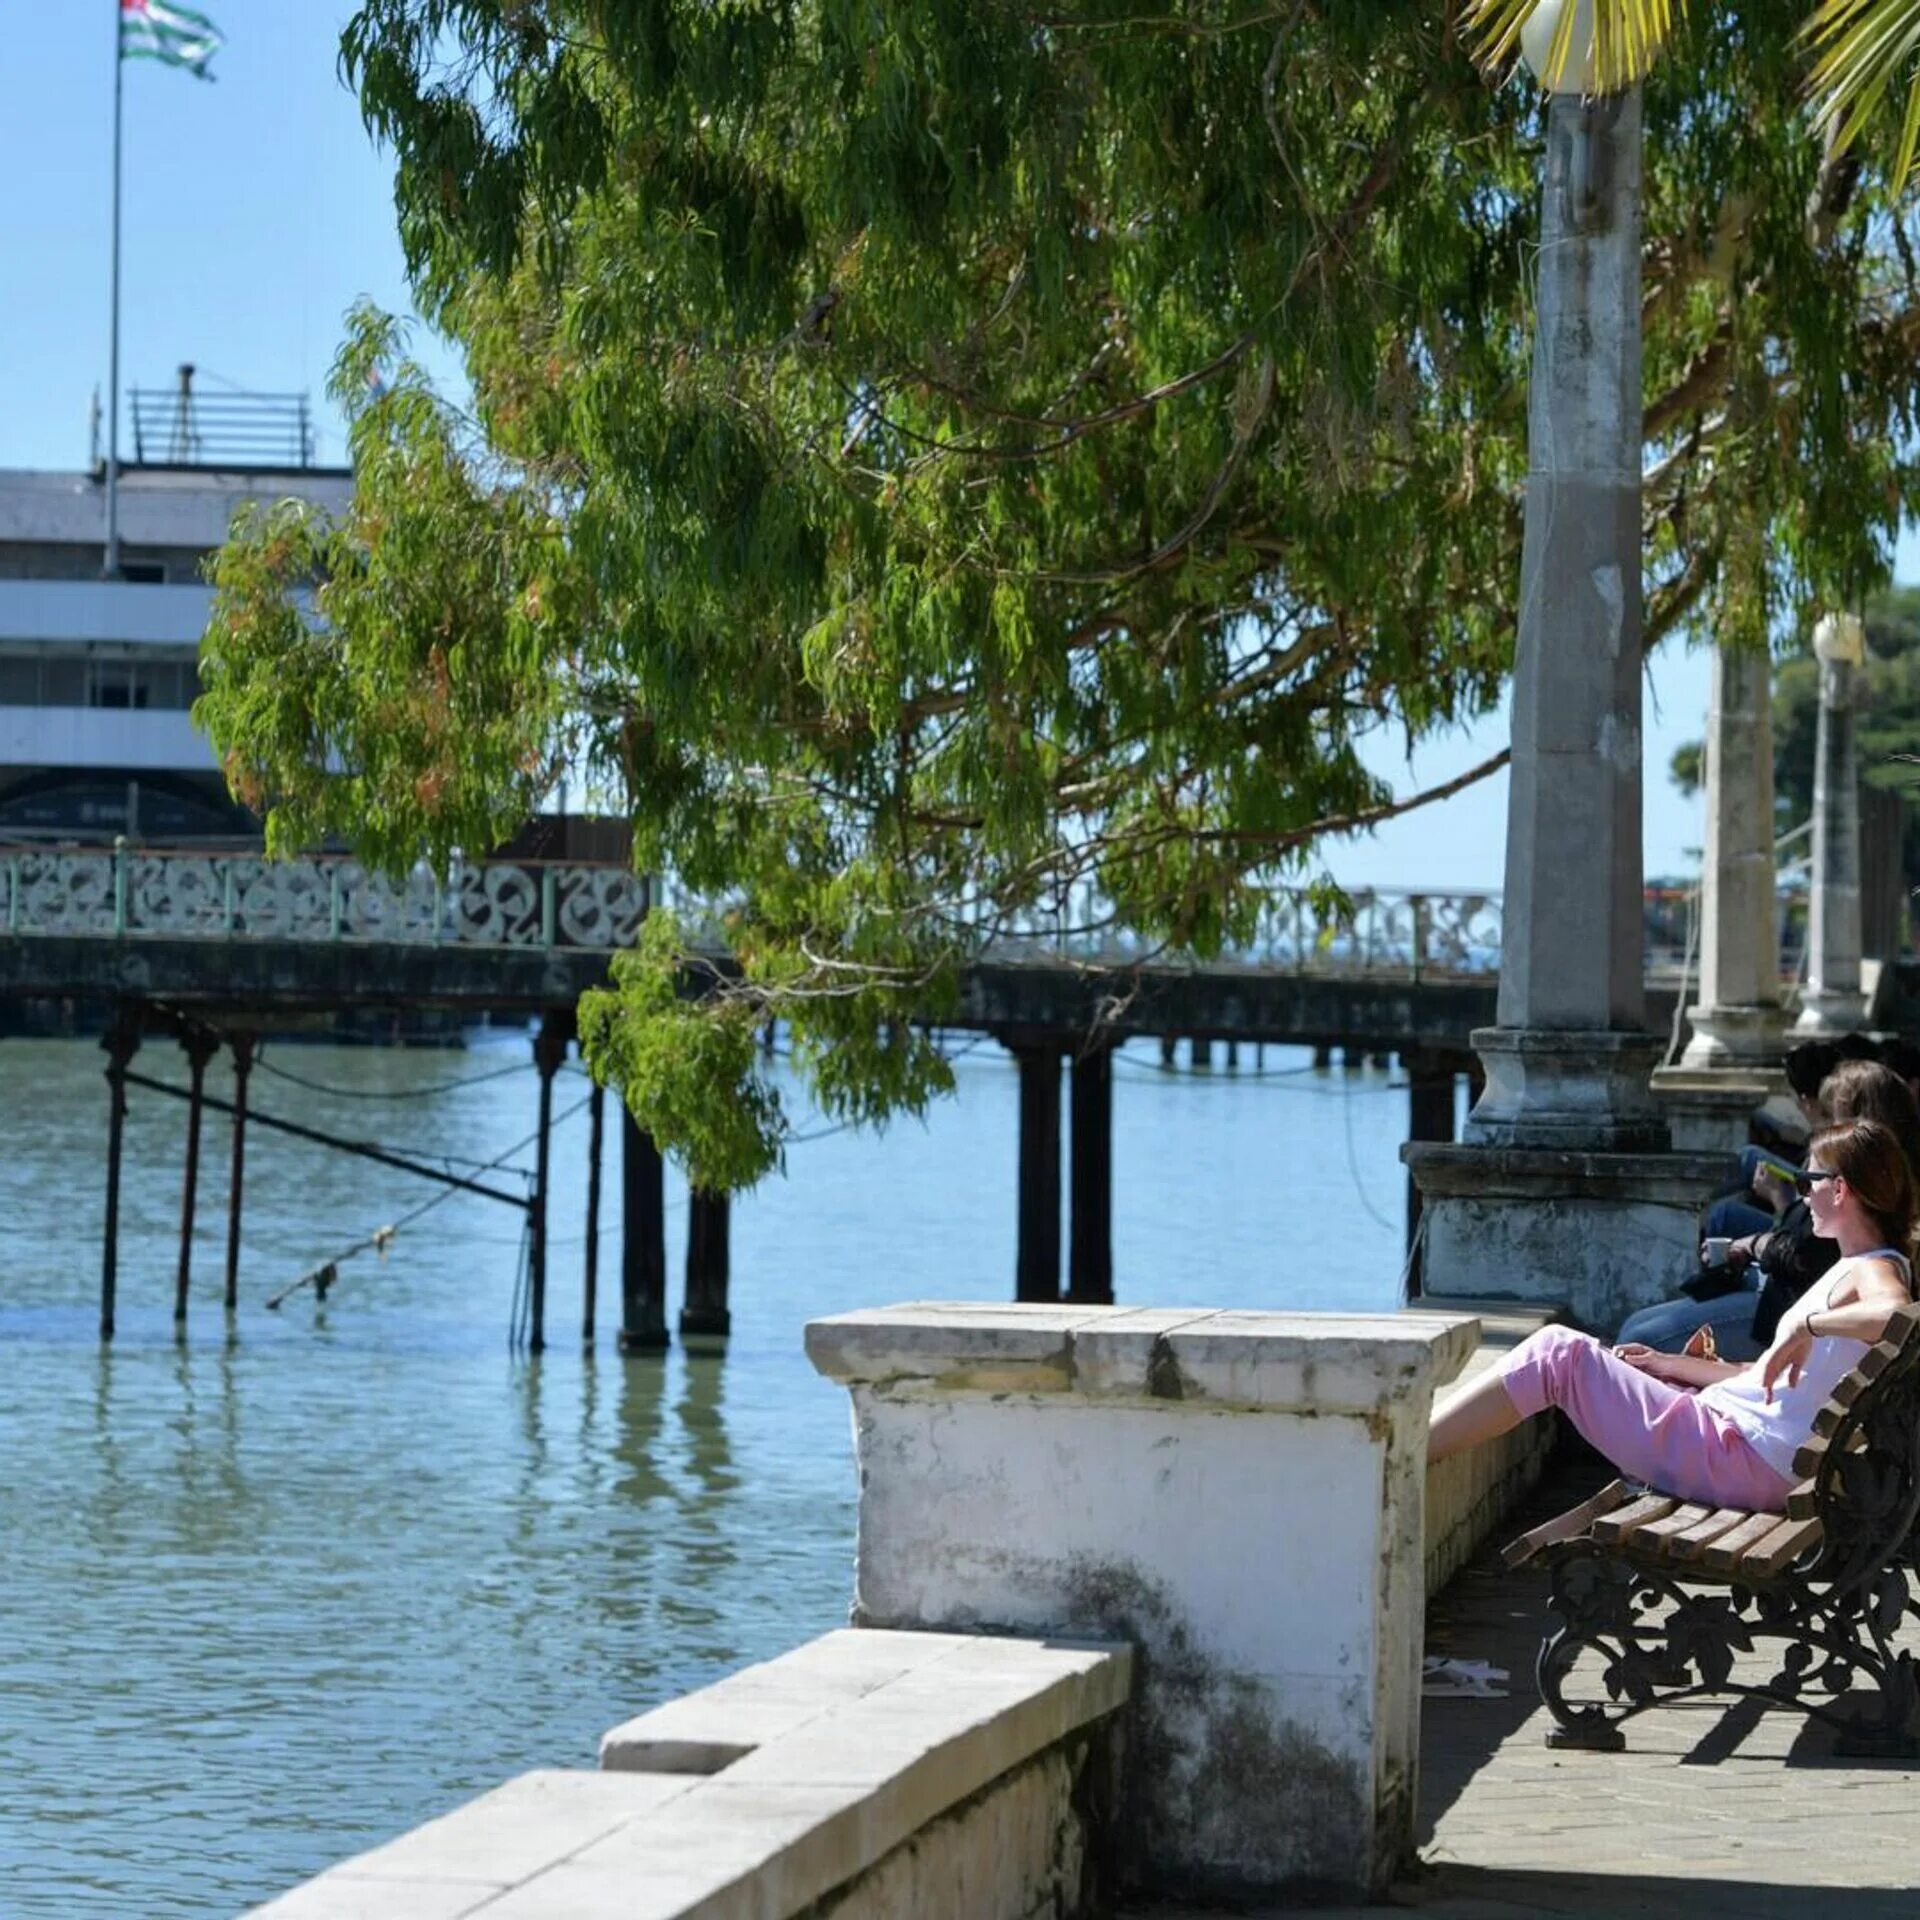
{"x": 122, "y": 1042}
{"x": 590, "y": 1278}
{"x": 243, "y": 1045}
{"x": 200, "y": 1046}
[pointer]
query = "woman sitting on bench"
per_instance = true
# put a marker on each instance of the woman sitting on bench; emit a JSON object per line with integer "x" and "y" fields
{"x": 1709, "y": 1430}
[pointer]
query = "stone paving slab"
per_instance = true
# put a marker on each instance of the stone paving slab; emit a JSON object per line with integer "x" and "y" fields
{"x": 1715, "y": 1810}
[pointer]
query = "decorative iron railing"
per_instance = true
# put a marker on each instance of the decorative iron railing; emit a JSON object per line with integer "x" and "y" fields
{"x": 125, "y": 891}
{"x": 117, "y": 892}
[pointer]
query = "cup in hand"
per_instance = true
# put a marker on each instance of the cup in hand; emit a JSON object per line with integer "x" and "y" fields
{"x": 1714, "y": 1250}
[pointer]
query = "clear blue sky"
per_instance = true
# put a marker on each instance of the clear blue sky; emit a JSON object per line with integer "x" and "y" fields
{"x": 257, "y": 211}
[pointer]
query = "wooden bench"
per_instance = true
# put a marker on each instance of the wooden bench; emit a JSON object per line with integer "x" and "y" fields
{"x": 1827, "y": 1580}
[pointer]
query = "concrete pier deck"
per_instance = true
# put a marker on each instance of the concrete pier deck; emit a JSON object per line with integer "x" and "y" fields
{"x": 1715, "y": 1810}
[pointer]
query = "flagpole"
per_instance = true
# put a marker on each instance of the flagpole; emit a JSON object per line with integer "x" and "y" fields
{"x": 111, "y": 569}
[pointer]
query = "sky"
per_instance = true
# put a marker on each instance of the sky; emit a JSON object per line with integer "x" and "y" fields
{"x": 257, "y": 210}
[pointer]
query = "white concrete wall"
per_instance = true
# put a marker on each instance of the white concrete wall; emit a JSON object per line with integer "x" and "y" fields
{"x": 1240, "y": 1495}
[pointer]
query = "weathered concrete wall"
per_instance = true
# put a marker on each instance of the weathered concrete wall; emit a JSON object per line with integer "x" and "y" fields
{"x": 861, "y": 1774}
{"x": 1470, "y": 1496}
{"x": 1599, "y": 1233}
{"x": 1241, "y": 1495}
{"x": 1036, "y": 1845}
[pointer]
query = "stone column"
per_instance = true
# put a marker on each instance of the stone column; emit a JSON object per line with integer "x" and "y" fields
{"x": 1567, "y": 1063}
{"x": 1240, "y": 1496}
{"x": 1563, "y": 1190}
{"x": 1833, "y": 1002}
{"x": 1732, "y": 1061}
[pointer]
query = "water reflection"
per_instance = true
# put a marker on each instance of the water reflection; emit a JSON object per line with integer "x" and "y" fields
{"x": 355, "y": 1551}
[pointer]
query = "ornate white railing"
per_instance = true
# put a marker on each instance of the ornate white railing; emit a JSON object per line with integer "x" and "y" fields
{"x": 113, "y": 892}
{"x": 126, "y": 891}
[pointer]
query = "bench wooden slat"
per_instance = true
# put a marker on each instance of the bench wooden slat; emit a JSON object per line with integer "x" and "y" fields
{"x": 1565, "y": 1525}
{"x": 1697, "y": 1538}
{"x": 1810, "y": 1456}
{"x": 1658, "y": 1536}
{"x": 1802, "y": 1503}
{"x": 1723, "y": 1554}
{"x": 1614, "y": 1527}
{"x": 1785, "y": 1541}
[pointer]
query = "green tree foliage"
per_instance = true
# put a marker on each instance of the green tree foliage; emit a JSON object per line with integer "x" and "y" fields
{"x": 933, "y": 463}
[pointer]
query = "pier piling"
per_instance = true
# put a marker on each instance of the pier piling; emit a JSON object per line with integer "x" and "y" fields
{"x": 1090, "y": 1178}
{"x": 549, "y": 1051}
{"x": 200, "y": 1046}
{"x": 1430, "y": 1116}
{"x": 122, "y": 1042}
{"x": 1037, "y": 1263}
{"x": 590, "y": 1276}
{"x": 643, "y": 1247}
{"x": 243, "y": 1045}
{"x": 704, "y": 1317}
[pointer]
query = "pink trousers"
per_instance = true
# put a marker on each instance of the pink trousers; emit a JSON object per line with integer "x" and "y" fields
{"x": 1649, "y": 1430}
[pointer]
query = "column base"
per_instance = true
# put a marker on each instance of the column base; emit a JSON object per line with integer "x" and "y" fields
{"x": 631, "y": 1343}
{"x": 1825, "y": 1016}
{"x": 1581, "y": 1091}
{"x": 1711, "y": 1109}
{"x": 1597, "y": 1233}
{"x": 1743, "y": 1039}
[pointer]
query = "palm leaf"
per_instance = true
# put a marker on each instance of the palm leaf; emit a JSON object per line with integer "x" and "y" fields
{"x": 1627, "y": 36}
{"x": 1861, "y": 47}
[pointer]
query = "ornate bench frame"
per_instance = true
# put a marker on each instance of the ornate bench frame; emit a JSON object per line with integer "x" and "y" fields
{"x": 1828, "y": 1580}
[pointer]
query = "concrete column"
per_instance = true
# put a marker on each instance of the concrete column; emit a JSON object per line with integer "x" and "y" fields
{"x": 1833, "y": 1002}
{"x": 1732, "y": 1061}
{"x": 1568, "y": 1061}
{"x": 1239, "y": 1496}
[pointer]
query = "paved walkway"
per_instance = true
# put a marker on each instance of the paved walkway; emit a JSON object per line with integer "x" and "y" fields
{"x": 1714, "y": 1810}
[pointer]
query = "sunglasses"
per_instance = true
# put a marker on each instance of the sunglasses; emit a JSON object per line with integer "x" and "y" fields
{"x": 1805, "y": 1179}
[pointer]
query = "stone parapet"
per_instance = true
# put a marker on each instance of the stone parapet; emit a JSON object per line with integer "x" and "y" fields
{"x": 947, "y": 1776}
{"x": 1469, "y": 1495}
{"x": 1601, "y": 1233}
{"x": 1240, "y": 1495}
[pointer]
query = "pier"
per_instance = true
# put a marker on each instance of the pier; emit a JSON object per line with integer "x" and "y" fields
{"x": 212, "y": 948}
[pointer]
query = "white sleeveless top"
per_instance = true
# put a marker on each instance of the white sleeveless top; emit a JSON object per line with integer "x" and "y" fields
{"x": 1777, "y": 1429}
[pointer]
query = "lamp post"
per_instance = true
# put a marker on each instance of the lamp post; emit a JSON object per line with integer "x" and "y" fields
{"x": 1833, "y": 1002}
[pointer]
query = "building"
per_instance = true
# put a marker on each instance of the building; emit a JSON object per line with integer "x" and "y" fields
{"x": 97, "y": 675}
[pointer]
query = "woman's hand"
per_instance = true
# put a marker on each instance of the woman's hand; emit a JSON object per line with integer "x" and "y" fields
{"x": 1676, "y": 1369}
{"x": 1787, "y": 1355}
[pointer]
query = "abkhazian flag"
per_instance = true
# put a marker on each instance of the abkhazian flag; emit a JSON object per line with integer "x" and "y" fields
{"x": 158, "y": 30}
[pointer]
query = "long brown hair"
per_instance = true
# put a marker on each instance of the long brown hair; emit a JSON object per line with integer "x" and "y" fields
{"x": 1866, "y": 1090}
{"x": 1868, "y": 1156}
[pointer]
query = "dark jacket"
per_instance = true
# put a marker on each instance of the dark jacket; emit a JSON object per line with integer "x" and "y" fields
{"x": 1794, "y": 1258}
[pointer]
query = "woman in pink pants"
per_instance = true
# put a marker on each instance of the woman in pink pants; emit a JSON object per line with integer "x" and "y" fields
{"x": 1706, "y": 1429}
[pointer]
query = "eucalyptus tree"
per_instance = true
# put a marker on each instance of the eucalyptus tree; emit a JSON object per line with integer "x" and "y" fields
{"x": 931, "y": 462}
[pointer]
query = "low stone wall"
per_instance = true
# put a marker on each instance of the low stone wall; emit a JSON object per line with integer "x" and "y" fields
{"x": 865, "y": 1774}
{"x": 1470, "y": 1495}
{"x": 1239, "y": 1495}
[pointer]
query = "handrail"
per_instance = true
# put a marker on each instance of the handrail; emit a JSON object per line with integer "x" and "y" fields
{"x": 119, "y": 892}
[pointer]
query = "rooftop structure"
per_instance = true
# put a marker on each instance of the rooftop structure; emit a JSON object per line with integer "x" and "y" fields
{"x": 97, "y": 675}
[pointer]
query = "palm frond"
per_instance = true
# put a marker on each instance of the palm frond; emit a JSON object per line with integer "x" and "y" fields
{"x": 1625, "y": 37}
{"x": 1861, "y": 48}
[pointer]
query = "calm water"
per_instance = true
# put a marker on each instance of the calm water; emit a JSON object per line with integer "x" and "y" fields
{"x": 268, "y": 1596}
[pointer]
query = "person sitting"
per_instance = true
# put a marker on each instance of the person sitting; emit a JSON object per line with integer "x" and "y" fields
{"x": 1709, "y": 1430}
{"x": 1764, "y": 1191}
{"x": 1761, "y": 1274}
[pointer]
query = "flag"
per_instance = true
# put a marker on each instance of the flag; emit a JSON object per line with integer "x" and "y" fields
{"x": 158, "y": 30}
